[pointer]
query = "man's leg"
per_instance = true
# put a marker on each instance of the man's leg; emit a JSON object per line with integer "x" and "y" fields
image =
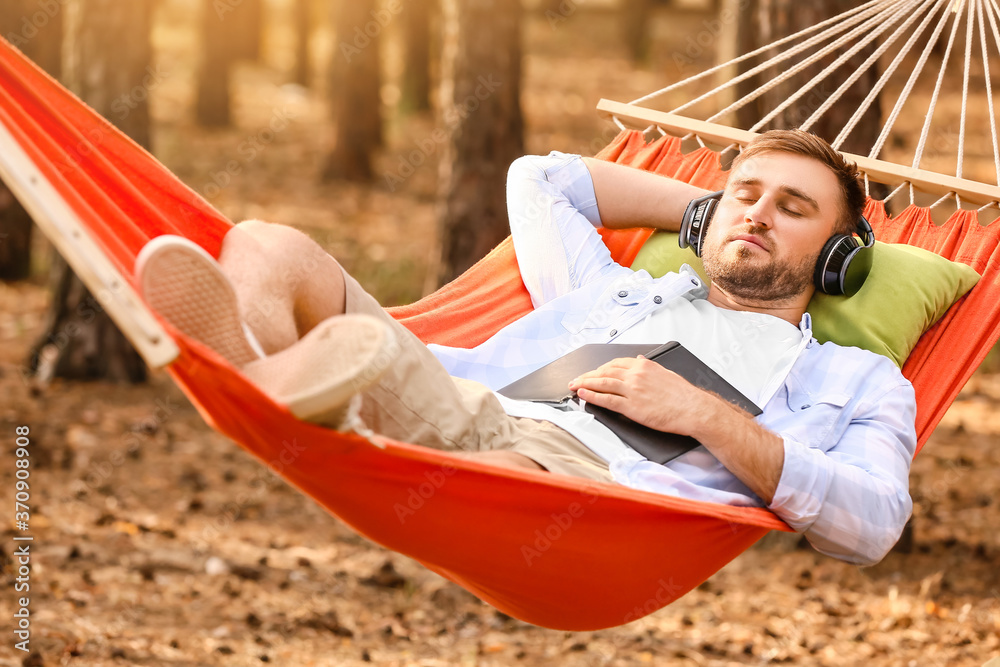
{"x": 284, "y": 281}
{"x": 287, "y": 284}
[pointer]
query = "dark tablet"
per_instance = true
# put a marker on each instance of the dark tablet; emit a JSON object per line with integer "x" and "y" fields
{"x": 549, "y": 384}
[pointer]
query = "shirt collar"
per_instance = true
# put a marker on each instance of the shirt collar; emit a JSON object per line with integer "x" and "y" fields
{"x": 698, "y": 290}
{"x": 806, "y": 325}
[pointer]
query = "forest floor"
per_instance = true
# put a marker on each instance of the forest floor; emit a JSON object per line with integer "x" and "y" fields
{"x": 125, "y": 480}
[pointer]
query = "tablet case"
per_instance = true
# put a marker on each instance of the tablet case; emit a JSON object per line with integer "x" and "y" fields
{"x": 549, "y": 384}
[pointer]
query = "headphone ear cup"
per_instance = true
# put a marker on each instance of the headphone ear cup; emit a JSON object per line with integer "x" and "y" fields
{"x": 695, "y": 221}
{"x": 690, "y": 230}
{"x": 833, "y": 262}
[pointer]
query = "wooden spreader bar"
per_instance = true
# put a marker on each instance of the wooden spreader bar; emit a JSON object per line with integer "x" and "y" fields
{"x": 878, "y": 171}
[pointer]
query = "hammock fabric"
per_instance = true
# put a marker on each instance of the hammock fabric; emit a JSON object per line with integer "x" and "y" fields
{"x": 556, "y": 551}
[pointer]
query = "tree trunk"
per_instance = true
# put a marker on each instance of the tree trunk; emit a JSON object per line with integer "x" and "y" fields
{"x": 112, "y": 58}
{"x": 416, "y": 93}
{"x": 15, "y": 238}
{"x": 37, "y": 31}
{"x": 303, "y": 29}
{"x": 80, "y": 340}
{"x": 228, "y": 33}
{"x": 212, "y": 108}
{"x": 636, "y": 15}
{"x": 355, "y": 87}
{"x": 483, "y": 68}
{"x": 110, "y": 52}
{"x": 245, "y": 26}
{"x": 764, "y": 21}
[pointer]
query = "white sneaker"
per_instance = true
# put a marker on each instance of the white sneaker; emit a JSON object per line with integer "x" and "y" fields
{"x": 319, "y": 375}
{"x": 316, "y": 377}
{"x": 186, "y": 286}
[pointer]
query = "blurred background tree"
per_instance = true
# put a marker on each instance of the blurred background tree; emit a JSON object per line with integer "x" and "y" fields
{"x": 109, "y": 58}
{"x": 482, "y": 110}
{"x": 304, "y": 17}
{"x": 636, "y": 15}
{"x": 40, "y": 40}
{"x": 355, "y": 87}
{"x": 230, "y": 31}
{"x": 418, "y": 17}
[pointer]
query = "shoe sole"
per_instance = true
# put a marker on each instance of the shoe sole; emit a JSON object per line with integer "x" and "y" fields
{"x": 185, "y": 285}
{"x": 317, "y": 376}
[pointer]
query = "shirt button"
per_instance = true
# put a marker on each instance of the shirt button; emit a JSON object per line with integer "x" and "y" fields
{"x": 614, "y": 332}
{"x": 657, "y": 299}
{"x": 623, "y": 294}
{"x": 806, "y": 406}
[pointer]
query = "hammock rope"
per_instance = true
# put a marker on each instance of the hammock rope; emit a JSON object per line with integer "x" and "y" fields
{"x": 989, "y": 84}
{"x": 839, "y": 23}
{"x": 925, "y": 130}
{"x": 907, "y": 89}
{"x": 890, "y": 70}
{"x": 865, "y": 28}
{"x": 881, "y": 22}
{"x": 869, "y": 37}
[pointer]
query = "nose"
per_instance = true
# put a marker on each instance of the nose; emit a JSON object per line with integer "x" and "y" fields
{"x": 758, "y": 214}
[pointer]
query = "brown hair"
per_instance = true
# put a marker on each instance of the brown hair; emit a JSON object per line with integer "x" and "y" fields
{"x": 799, "y": 142}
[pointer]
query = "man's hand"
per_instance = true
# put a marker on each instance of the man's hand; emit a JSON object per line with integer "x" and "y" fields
{"x": 645, "y": 392}
{"x": 648, "y": 393}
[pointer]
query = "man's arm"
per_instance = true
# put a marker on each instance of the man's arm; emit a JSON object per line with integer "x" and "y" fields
{"x": 648, "y": 393}
{"x": 629, "y": 197}
{"x": 555, "y": 203}
{"x": 850, "y": 501}
{"x": 553, "y": 217}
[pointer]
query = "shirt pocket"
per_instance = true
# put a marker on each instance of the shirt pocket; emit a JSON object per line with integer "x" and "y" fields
{"x": 815, "y": 415}
{"x": 618, "y": 307}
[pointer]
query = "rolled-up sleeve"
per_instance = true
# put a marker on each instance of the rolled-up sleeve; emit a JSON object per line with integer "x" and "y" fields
{"x": 553, "y": 216}
{"x": 852, "y": 501}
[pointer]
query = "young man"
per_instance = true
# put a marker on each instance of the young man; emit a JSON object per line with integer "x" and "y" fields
{"x": 829, "y": 455}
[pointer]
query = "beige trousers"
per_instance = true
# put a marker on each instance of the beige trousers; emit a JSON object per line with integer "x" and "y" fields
{"x": 417, "y": 401}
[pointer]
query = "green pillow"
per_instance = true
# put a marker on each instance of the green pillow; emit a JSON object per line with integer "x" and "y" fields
{"x": 907, "y": 291}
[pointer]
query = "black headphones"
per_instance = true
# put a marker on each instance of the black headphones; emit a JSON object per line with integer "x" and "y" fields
{"x": 843, "y": 264}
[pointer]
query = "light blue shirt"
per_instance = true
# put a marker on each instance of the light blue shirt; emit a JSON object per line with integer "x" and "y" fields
{"x": 846, "y": 415}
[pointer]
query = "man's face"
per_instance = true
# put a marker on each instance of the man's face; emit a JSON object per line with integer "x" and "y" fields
{"x": 777, "y": 211}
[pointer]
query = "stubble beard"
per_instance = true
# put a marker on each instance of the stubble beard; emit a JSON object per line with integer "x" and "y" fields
{"x": 741, "y": 275}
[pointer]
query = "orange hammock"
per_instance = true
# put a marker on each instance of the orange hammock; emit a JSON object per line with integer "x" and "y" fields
{"x": 556, "y": 551}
